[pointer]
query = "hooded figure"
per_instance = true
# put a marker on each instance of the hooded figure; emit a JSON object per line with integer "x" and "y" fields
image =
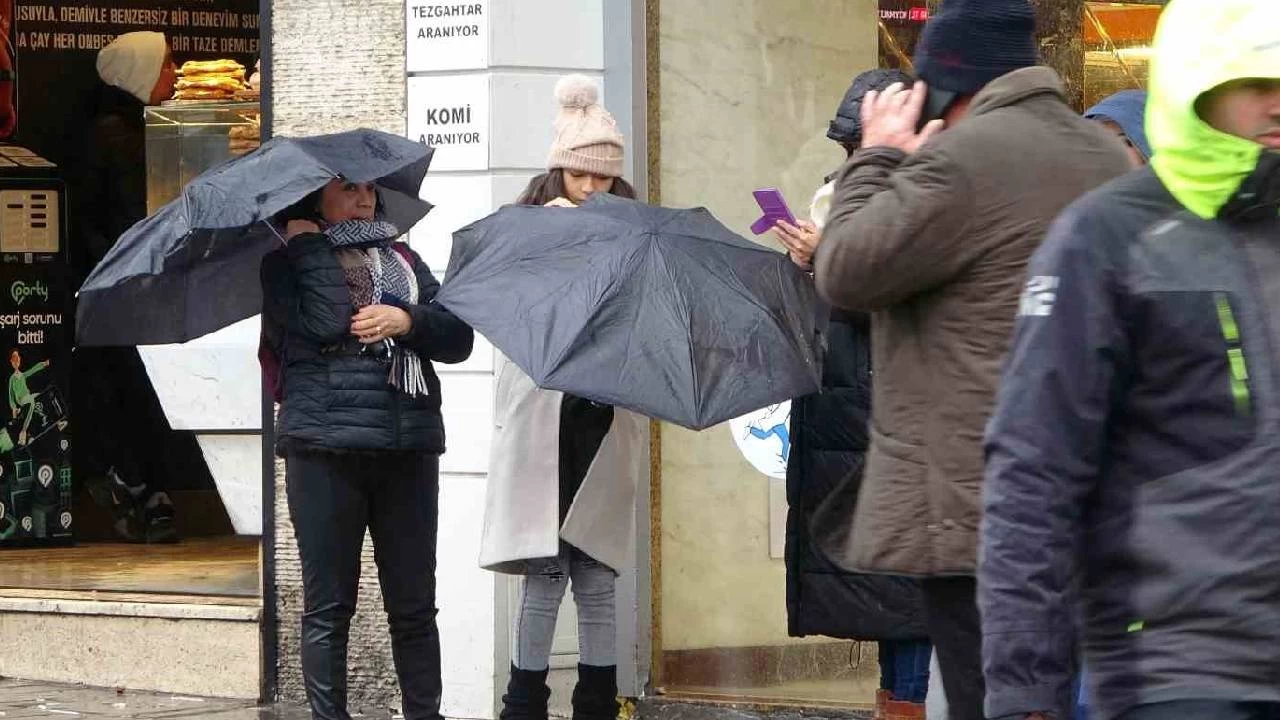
{"x": 828, "y": 434}
{"x": 1126, "y": 110}
{"x": 1131, "y": 494}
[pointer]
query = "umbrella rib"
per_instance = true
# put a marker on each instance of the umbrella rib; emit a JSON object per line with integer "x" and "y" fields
{"x": 573, "y": 344}
{"x": 688, "y": 328}
{"x": 740, "y": 290}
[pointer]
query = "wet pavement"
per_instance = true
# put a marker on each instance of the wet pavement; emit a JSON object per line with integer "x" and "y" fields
{"x": 665, "y": 709}
{"x": 24, "y": 700}
{"x": 21, "y": 700}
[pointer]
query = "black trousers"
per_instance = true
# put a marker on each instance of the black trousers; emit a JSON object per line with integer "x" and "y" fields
{"x": 332, "y": 499}
{"x": 1205, "y": 710}
{"x": 951, "y": 612}
{"x": 123, "y": 425}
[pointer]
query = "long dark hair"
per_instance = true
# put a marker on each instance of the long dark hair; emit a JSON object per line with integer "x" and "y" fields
{"x": 548, "y": 186}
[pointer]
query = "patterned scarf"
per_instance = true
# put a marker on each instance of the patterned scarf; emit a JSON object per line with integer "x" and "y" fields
{"x": 378, "y": 274}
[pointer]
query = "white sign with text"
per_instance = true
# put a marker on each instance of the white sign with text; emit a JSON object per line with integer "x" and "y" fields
{"x": 446, "y": 36}
{"x": 451, "y": 114}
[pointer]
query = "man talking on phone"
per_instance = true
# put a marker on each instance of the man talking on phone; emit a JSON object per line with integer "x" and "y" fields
{"x": 932, "y": 224}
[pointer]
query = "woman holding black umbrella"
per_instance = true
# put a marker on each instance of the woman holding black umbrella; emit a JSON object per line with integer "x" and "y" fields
{"x": 560, "y": 507}
{"x": 348, "y": 314}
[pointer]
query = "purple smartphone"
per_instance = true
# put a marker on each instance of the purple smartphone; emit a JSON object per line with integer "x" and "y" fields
{"x": 774, "y": 208}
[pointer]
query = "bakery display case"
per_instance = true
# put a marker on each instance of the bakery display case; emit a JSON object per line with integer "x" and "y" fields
{"x": 186, "y": 138}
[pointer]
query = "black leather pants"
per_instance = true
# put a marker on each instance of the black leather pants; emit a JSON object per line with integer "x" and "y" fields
{"x": 332, "y": 499}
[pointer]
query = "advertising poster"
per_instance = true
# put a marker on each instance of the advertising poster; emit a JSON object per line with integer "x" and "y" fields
{"x": 35, "y": 424}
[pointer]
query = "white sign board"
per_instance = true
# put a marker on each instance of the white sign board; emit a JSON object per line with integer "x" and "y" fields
{"x": 764, "y": 438}
{"x": 446, "y": 35}
{"x": 451, "y": 114}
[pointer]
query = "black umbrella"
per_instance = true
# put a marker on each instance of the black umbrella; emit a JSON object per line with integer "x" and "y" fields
{"x": 192, "y": 268}
{"x": 664, "y": 312}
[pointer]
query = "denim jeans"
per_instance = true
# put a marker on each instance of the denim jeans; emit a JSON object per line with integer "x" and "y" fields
{"x": 904, "y": 669}
{"x": 541, "y": 593}
{"x": 1082, "y": 700}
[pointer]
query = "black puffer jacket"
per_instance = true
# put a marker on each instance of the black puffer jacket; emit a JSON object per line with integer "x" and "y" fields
{"x": 824, "y": 473}
{"x": 336, "y": 397}
{"x": 108, "y": 178}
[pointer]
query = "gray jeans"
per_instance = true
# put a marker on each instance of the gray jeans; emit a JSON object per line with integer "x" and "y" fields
{"x": 540, "y": 596}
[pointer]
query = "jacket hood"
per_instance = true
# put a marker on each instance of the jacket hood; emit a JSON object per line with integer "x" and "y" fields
{"x": 1128, "y": 110}
{"x": 1200, "y": 45}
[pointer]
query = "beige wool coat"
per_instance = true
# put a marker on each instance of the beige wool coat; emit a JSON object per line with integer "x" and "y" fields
{"x": 522, "y": 528}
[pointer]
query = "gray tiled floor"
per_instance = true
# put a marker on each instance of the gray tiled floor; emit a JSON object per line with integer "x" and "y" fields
{"x": 21, "y": 700}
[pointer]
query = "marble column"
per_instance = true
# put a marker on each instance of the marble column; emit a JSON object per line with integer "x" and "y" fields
{"x": 745, "y": 90}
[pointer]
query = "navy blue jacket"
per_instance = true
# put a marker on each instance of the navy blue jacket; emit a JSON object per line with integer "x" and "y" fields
{"x": 335, "y": 396}
{"x": 1133, "y": 475}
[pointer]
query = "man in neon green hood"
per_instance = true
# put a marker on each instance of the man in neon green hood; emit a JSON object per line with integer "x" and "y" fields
{"x": 1214, "y": 98}
{"x": 1132, "y": 491}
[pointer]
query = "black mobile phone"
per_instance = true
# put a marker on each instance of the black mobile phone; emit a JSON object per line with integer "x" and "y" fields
{"x": 936, "y": 104}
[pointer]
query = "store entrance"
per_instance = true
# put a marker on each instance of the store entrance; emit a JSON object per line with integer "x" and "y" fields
{"x": 134, "y": 472}
{"x": 745, "y": 610}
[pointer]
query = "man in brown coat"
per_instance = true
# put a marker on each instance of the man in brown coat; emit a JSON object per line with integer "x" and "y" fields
{"x": 930, "y": 232}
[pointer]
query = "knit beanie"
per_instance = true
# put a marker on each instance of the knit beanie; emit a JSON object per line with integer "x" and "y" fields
{"x": 969, "y": 43}
{"x": 847, "y": 125}
{"x": 132, "y": 62}
{"x": 587, "y": 138}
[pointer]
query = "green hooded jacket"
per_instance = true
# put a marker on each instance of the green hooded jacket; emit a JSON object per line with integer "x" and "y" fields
{"x": 1200, "y": 45}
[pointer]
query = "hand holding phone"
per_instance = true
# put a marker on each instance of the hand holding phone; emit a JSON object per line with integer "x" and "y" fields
{"x": 890, "y": 118}
{"x": 801, "y": 241}
{"x": 774, "y": 207}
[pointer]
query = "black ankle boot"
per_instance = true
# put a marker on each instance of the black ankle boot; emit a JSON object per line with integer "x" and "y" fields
{"x": 596, "y": 695}
{"x": 527, "y": 695}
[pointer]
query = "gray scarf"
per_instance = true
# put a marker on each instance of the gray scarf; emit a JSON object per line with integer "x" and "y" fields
{"x": 379, "y": 274}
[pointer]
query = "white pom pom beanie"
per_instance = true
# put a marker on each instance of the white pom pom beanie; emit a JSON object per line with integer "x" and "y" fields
{"x": 587, "y": 138}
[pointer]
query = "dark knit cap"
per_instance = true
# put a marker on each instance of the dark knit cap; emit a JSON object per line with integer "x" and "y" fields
{"x": 969, "y": 43}
{"x": 847, "y": 125}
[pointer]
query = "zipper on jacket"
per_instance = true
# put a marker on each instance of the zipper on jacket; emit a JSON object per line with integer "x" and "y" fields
{"x": 1235, "y": 353}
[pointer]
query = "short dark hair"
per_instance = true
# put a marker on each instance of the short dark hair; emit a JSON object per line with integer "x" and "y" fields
{"x": 548, "y": 186}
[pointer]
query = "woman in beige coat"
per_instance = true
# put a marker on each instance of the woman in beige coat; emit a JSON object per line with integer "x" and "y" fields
{"x": 563, "y": 471}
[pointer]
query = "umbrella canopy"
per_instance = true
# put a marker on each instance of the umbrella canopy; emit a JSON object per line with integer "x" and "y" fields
{"x": 664, "y": 312}
{"x": 192, "y": 268}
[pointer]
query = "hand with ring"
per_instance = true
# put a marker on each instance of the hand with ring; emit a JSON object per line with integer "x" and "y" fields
{"x": 375, "y": 323}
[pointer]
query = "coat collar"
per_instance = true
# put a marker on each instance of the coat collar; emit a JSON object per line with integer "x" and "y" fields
{"x": 1017, "y": 86}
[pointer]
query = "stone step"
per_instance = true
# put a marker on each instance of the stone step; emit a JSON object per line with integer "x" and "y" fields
{"x": 189, "y": 645}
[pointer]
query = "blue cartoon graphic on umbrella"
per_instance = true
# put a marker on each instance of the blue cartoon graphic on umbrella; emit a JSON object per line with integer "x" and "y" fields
{"x": 764, "y": 437}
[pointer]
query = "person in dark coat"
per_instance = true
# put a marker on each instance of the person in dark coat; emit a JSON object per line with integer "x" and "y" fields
{"x": 930, "y": 231}
{"x": 1131, "y": 493}
{"x": 125, "y": 449}
{"x": 824, "y": 474}
{"x": 350, "y": 323}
